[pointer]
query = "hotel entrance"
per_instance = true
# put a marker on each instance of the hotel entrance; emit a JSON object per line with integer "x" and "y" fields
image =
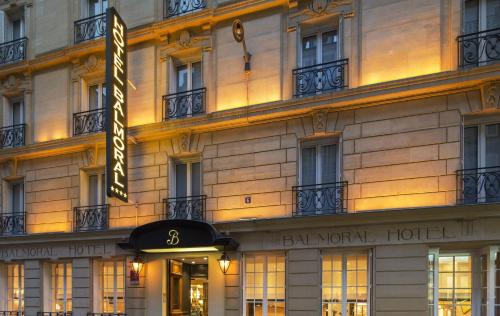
{"x": 187, "y": 286}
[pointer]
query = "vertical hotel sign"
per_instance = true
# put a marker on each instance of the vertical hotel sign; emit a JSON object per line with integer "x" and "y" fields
{"x": 116, "y": 111}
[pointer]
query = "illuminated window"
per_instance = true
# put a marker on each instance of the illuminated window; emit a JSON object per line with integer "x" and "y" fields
{"x": 15, "y": 287}
{"x": 490, "y": 282}
{"x": 345, "y": 284}
{"x": 451, "y": 288}
{"x": 264, "y": 285}
{"x": 61, "y": 287}
{"x": 112, "y": 286}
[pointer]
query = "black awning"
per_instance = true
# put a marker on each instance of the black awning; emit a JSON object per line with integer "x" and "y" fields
{"x": 177, "y": 236}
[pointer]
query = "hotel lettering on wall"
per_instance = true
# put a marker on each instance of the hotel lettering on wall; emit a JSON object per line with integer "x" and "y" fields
{"x": 116, "y": 111}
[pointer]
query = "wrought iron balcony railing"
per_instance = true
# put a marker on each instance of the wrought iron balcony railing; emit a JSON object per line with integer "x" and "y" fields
{"x": 106, "y": 314}
{"x": 88, "y": 122}
{"x": 179, "y": 7}
{"x": 318, "y": 199}
{"x": 188, "y": 207}
{"x": 184, "y": 104}
{"x": 91, "y": 218}
{"x": 54, "y": 314}
{"x": 12, "y": 136}
{"x": 11, "y": 313}
{"x": 320, "y": 78}
{"x": 12, "y": 223}
{"x": 479, "y": 48}
{"x": 481, "y": 185}
{"x": 90, "y": 28}
{"x": 13, "y": 51}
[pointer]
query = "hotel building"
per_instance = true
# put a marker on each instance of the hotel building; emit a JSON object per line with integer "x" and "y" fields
{"x": 342, "y": 156}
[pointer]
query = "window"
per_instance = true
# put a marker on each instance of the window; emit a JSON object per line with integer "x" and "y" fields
{"x": 345, "y": 284}
{"x": 319, "y": 48}
{"x": 450, "y": 284}
{"x": 16, "y": 197}
{"x": 96, "y": 7}
{"x": 480, "y": 15}
{"x": 490, "y": 282}
{"x": 111, "y": 287}
{"x": 96, "y": 96}
{"x": 97, "y": 189}
{"x": 15, "y": 287}
{"x": 187, "y": 179}
{"x": 60, "y": 287}
{"x": 14, "y": 25}
{"x": 188, "y": 76}
{"x": 319, "y": 162}
{"x": 264, "y": 285}
{"x": 481, "y": 161}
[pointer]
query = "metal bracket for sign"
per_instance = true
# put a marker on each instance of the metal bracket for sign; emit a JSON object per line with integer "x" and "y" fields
{"x": 116, "y": 111}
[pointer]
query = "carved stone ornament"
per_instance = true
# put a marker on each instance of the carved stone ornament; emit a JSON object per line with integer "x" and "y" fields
{"x": 491, "y": 95}
{"x": 320, "y": 7}
{"x": 12, "y": 82}
{"x": 185, "y": 39}
{"x": 319, "y": 121}
{"x": 90, "y": 157}
{"x": 184, "y": 142}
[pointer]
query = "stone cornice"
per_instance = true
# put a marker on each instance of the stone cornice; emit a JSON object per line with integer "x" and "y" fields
{"x": 364, "y": 96}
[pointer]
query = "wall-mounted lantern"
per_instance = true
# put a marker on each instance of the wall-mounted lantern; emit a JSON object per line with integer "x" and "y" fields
{"x": 239, "y": 36}
{"x": 137, "y": 265}
{"x": 224, "y": 262}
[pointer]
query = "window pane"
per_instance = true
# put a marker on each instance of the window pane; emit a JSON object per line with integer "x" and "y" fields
{"x": 455, "y": 285}
{"x": 329, "y": 163}
{"x": 15, "y": 287}
{"x": 492, "y": 145}
{"x": 18, "y": 197}
{"x": 93, "y": 97}
{"x": 195, "y": 179}
{"x": 181, "y": 180}
{"x": 329, "y": 42}
{"x": 17, "y": 113}
{"x": 196, "y": 75}
{"x": 182, "y": 78}
{"x": 492, "y": 14}
{"x": 93, "y": 189}
{"x": 103, "y": 189}
{"x": 471, "y": 147}
{"x": 103, "y": 96}
{"x": 308, "y": 166}
{"x": 309, "y": 47}
{"x": 16, "y": 29}
{"x": 471, "y": 16}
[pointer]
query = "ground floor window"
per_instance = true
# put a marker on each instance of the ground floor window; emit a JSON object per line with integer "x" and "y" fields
{"x": 15, "y": 287}
{"x": 264, "y": 285}
{"x": 113, "y": 286}
{"x": 490, "y": 282}
{"x": 345, "y": 288}
{"x": 61, "y": 287}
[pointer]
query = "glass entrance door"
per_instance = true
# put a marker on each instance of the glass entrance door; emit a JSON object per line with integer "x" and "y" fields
{"x": 188, "y": 286}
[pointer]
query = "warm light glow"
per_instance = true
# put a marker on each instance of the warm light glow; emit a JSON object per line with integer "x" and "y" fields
{"x": 400, "y": 73}
{"x": 224, "y": 263}
{"x": 172, "y": 250}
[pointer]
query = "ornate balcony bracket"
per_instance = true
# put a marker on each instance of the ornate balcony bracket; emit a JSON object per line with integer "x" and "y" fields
{"x": 320, "y": 78}
{"x": 13, "y": 51}
{"x": 319, "y": 199}
{"x": 190, "y": 207}
{"x": 12, "y": 136}
{"x": 480, "y": 48}
{"x": 91, "y": 218}
{"x": 183, "y": 104}
{"x": 90, "y": 28}
{"x": 93, "y": 121}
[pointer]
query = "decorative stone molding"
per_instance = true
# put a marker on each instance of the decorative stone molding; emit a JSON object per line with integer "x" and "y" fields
{"x": 185, "y": 42}
{"x": 323, "y": 7}
{"x": 319, "y": 121}
{"x": 16, "y": 84}
{"x": 93, "y": 65}
{"x": 185, "y": 142}
{"x": 491, "y": 95}
{"x": 185, "y": 39}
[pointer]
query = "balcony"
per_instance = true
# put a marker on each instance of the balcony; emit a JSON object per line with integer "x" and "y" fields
{"x": 183, "y": 104}
{"x": 12, "y": 136}
{"x": 317, "y": 79}
{"x": 480, "y": 185}
{"x": 13, "y": 51}
{"x": 91, "y": 218}
{"x": 480, "y": 48}
{"x": 54, "y": 314}
{"x": 12, "y": 224}
{"x": 105, "y": 314}
{"x": 320, "y": 199}
{"x": 11, "y": 313}
{"x": 90, "y": 28}
{"x": 179, "y": 7}
{"x": 189, "y": 207}
{"x": 93, "y": 121}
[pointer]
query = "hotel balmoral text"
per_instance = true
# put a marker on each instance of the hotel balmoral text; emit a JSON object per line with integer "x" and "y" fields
{"x": 250, "y": 157}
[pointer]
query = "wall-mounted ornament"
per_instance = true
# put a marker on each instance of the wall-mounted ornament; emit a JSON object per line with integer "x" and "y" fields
{"x": 491, "y": 95}
{"x": 185, "y": 39}
{"x": 239, "y": 36}
{"x": 319, "y": 121}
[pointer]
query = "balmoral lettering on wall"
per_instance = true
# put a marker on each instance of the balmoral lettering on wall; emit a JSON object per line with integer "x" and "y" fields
{"x": 116, "y": 101}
